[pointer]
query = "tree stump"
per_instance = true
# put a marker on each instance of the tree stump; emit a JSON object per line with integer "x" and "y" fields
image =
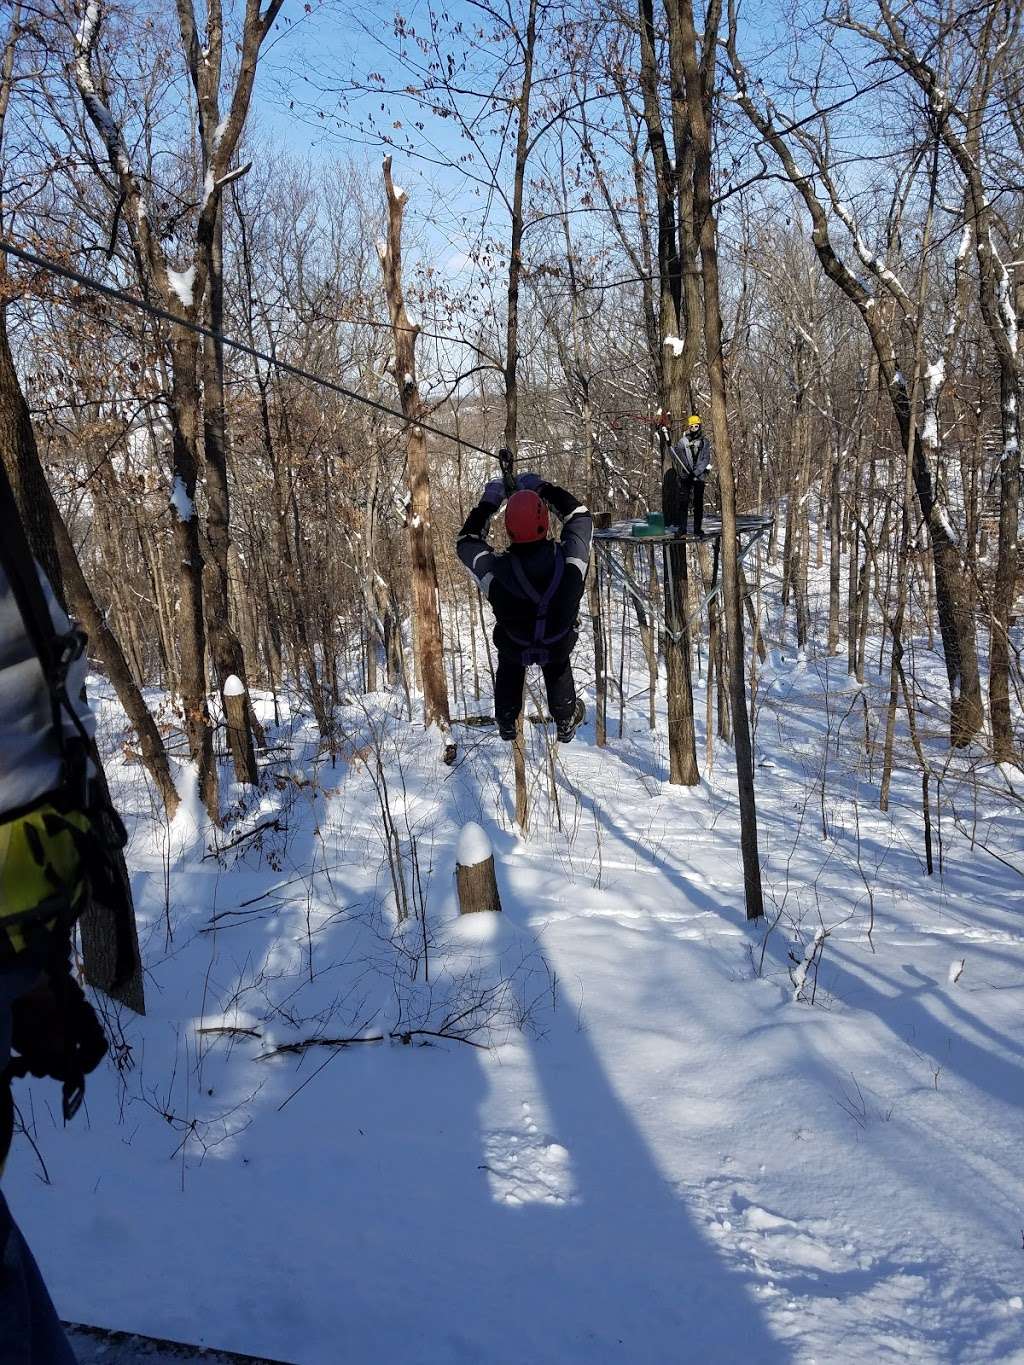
{"x": 475, "y": 880}
{"x": 236, "y": 720}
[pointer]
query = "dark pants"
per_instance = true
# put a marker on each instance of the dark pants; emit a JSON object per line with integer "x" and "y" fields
{"x": 694, "y": 488}
{"x": 676, "y": 492}
{"x": 508, "y": 690}
{"x": 30, "y": 1332}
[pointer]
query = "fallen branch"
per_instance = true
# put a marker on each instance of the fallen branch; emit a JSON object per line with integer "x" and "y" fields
{"x": 306, "y": 1043}
{"x": 274, "y": 824}
{"x": 230, "y": 1028}
{"x": 404, "y": 1036}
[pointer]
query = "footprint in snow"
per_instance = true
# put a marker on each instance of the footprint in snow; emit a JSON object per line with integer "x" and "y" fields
{"x": 779, "y": 1245}
{"x": 525, "y": 1168}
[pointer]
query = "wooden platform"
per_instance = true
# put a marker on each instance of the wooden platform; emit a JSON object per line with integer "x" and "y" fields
{"x": 633, "y": 576}
{"x": 100, "y": 1346}
{"x": 712, "y": 531}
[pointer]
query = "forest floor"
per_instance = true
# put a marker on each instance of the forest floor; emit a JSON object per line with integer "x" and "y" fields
{"x": 680, "y": 1145}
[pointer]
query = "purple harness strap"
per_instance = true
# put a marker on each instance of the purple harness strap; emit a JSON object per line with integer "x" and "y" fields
{"x": 537, "y": 650}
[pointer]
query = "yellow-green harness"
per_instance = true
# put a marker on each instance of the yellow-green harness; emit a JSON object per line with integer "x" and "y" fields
{"x": 42, "y": 882}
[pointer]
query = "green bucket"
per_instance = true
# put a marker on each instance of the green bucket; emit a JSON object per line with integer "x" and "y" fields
{"x": 656, "y": 522}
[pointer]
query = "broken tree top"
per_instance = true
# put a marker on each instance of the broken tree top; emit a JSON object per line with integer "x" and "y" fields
{"x": 653, "y": 534}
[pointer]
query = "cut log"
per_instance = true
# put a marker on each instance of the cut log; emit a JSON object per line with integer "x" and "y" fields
{"x": 475, "y": 879}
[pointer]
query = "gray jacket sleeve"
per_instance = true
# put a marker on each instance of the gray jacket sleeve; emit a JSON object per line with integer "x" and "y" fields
{"x": 702, "y": 461}
{"x": 30, "y": 758}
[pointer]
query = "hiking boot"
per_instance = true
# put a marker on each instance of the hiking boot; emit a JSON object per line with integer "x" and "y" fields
{"x": 567, "y": 728}
{"x": 506, "y": 730}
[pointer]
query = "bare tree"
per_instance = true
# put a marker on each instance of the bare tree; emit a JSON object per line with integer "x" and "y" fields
{"x": 699, "y": 76}
{"x": 421, "y": 540}
{"x": 975, "y": 56}
{"x": 181, "y": 292}
{"x": 955, "y": 619}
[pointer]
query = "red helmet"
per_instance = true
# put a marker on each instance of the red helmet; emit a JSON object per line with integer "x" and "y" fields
{"x": 526, "y": 517}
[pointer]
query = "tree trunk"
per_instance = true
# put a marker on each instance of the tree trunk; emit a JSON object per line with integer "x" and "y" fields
{"x": 191, "y": 629}
{"x": 421, "y": 541}
{"x": 682, "y": 736}
{"x": 20, "y": 457}
{"x": 225, "y": 647}
{"x": 696, "y": 96}
{"x": 835, "y": 558}
{"x": 1004, "y": 588}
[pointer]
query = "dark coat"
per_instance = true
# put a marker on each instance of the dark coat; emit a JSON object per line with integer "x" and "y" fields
{"x": 515, "y": 613}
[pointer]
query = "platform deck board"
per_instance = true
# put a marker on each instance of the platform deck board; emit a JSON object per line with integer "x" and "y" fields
{"x": 103, "y": 1346}
{"x": 623, "y": 531}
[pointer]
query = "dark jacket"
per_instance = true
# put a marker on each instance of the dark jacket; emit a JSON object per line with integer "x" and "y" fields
{"x": 514, "y": 611}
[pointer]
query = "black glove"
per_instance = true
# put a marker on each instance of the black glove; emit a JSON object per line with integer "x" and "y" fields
{"x": 530, "y": 481}
{"x": 56, "y": 1033}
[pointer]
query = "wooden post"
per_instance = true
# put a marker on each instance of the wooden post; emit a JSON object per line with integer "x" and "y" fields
{"x": 519, "y": 766}
{"x": 474, "y": 872}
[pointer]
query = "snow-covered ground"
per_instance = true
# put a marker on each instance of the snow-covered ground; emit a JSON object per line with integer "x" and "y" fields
{"x": 664, "y": 1156}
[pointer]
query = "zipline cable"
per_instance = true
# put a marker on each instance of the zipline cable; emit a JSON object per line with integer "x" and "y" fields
{"x": 65, "y": 272}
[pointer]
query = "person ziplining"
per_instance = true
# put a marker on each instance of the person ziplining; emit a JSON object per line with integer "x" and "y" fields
{"x": 534, "y": 588}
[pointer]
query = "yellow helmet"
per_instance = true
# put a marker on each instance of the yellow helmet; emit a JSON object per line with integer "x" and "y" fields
{"x": 693, "y": 423}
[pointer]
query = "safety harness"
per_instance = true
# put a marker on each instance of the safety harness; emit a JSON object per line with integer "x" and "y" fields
{"x": 538, "y": 650}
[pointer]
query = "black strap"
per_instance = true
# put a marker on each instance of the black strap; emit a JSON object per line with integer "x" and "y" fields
{"x": 542, "y": 601}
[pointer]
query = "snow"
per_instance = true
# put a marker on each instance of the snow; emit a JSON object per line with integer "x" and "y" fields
{"x": 1005, "y": 302}
{"x": 944, "y": 522}
{"x": 182, "y": 283}
{"x": 662, "y": 1144}
{"x": 85, "y": 34}
{"x": 935, "y": 375}
{"x": 674, "y": 344}
{"x": 473, "y": 847}
{"x": 180, "y": 500}
{"x": 868, "y": 257}
{"x": 400, "y": 194}
{"x": 233, "y": 686}
{"x": 934, "y": 381}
